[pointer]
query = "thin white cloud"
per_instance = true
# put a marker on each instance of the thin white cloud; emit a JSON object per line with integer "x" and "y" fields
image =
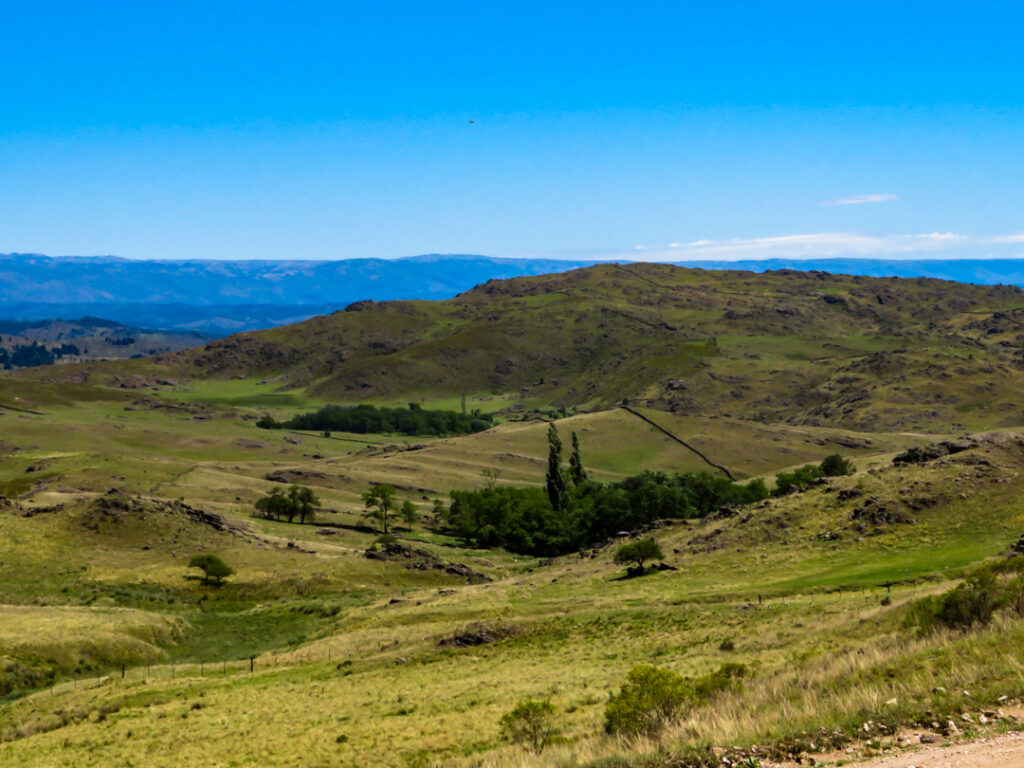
{"x": 808, "y": 246}
{"x": 1019, "y": 238}
{"x": 862, "y": 199}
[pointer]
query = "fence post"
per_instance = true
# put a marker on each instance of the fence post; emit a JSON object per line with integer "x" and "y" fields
{"x": 252, "y": 663}
{"x": 122, "y": 671}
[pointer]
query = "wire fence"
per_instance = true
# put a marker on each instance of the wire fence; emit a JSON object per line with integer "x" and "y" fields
{"x": 265, "y": 662}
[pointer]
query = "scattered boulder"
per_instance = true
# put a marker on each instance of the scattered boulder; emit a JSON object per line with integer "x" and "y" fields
{"x": 421, "y": 560}
{"x": 1017, "y": 546}
{"x": 463, "y": 570}
{"x": 117, "y": 506}
{"x": 477, "y": 633}
{"x": 5, "y": 502}
{"x": 925, "y": 453}
{"x": 392, "y": 550}
{"x": 878, "y": 512}
{"x": 294, "y": 475}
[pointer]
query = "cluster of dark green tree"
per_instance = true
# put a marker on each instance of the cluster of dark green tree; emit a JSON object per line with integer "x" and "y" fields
{"x": 296, "y": 502}
{"x": 31, "y": 355}
{"x": 831, "y": 466}
{"x": 573, "y": 511}
{"x": 364, "y": 419}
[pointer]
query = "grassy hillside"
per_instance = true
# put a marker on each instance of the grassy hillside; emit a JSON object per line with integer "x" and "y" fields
{"x": 807, "y": 348}
{"x": 113, "y": 476}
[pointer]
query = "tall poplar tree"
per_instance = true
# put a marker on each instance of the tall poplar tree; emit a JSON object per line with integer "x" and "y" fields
{"x": 558, "y": 493}
{"x": 577, "y": 473}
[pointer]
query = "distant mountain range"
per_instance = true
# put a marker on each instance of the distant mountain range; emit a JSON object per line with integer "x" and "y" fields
{"x": 229, "y": 296}
{"x": 223, "y": 297}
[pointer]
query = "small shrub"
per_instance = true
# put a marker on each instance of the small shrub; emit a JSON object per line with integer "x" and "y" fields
{"x": 531, "y": 723}
{"x": 727, "y": 645}
{"x": 385, "y": 538}
{"x": 972, "y": 602}
{"x": 725, "y": 678}
{"x": 1013, "y": 595}
{"x": 649, "y": 700}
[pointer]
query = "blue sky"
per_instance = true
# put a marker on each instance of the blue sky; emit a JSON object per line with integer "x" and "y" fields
{"x": 620, "y": 130}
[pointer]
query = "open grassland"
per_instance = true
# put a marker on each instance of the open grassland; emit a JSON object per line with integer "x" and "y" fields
{"x": 350, "y": 668}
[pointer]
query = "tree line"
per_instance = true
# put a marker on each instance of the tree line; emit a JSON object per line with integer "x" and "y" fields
{"x": 31, "y": 355}
{"x": 365, "y": 419}
{"x": 573, "y": 511}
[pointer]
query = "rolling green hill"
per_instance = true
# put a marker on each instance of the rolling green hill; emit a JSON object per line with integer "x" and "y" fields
{"x": 805, "y": 348}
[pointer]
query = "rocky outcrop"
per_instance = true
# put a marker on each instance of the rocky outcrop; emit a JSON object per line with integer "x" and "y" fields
{"x": 421, "y": 560}
{"x": 925, "y": 453}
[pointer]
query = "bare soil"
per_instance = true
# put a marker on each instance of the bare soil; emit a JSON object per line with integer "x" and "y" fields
{"x": 1006, "y": 751}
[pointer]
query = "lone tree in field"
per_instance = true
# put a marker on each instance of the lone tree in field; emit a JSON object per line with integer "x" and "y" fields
{"x": 638, "y": 552}
{"x": 531, "y": 723}
{"x": 558, "y": 493}
{"x": 577, "y": 473}
{"x": 214, "y": 569}
{"x": 381, "y": 500}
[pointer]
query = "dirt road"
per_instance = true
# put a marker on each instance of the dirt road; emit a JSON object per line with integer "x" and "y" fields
{"x": 1005, "y": 751}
